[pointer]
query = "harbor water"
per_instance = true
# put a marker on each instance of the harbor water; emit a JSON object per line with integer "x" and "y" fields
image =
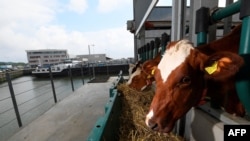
{"x": 34, "y": 96}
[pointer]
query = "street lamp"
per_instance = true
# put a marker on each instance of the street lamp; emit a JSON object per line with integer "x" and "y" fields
{"x": 89, "y": 47}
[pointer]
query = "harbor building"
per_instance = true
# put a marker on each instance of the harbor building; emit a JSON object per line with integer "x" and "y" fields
{"x": 92, "y": 58}
{"x": 46, "y": 57}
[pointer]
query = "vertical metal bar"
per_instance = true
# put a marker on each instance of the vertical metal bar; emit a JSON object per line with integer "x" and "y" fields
{"x": 94, "y": 70}
{"x": 144, "y": 53}
{"x": 152, "y": 46}
{"x": 178, "y": 19}
{"x": 71, "y": 79}
{"x": 164, "y": 41}
{"x": 245, "y": 41}
{"x": 243, "y": 85}
{"x": 52, "y": 84}
{"x": 138, "y": 54}
{"x": 147, "y": 51}
{"x": 89, "y": 70}
{"x": 157, "y": 45}
{"x": 13, "y": 99}
{"x": 201, "y": 38}
{"x": 107, "y": 68}
{"x": 82, "y": 74}
{"x": 201, "y": 25}
{"x": 228, "y": 20}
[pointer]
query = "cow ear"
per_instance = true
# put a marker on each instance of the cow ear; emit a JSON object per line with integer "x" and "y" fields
{"x": 149, "y": 67}
{"x": 131, "y": 65}
{"x": 222, "y": 65}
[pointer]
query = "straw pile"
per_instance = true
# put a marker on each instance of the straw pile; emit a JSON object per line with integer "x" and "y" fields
{"x": 135, "y": 106}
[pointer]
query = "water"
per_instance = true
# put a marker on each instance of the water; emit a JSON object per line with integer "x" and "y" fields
{"x": 34, "y": 96}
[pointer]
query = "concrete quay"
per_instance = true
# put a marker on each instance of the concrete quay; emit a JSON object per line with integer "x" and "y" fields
{"x": 71, "y": 119}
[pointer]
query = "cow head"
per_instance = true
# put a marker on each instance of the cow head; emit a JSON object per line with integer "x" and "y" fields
{"x": 133, "y": 67}
{"x": 144, "y": 75}
{"x": 181, "y": 81}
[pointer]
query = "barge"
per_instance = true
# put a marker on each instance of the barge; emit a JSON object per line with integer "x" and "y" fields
{"x": 61, "y": 69}
{"x": 79, "y": 69}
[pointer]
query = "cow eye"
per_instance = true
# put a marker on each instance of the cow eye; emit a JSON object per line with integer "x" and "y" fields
{"x": 186, "y": 79}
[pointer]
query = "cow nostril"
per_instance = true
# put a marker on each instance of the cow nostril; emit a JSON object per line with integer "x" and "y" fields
{"x": 152, "y": 125}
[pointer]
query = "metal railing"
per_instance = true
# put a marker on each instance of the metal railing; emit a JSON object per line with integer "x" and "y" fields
{"x": 18, "y": 108}
{"x": 107, "y": 126}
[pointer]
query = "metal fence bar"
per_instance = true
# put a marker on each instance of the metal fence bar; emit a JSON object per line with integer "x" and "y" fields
{"x": 93, "y": 67}
{"x": 82, "y": 74}
{"x": 14, "y": 100}
{"x": 52, "y": 85}
{"x": 243, "y": 85}
{"x": 227, "y": 11}
{"x": 71, "y": 79}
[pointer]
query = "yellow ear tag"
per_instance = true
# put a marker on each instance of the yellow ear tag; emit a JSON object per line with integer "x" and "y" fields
{"x": 211, "y": 69}
{"x": 153, "y": 72}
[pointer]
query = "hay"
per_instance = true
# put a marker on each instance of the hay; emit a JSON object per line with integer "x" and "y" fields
{"x": 135, "y": 106}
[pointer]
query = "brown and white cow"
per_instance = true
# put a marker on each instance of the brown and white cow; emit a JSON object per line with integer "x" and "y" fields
{"x": 185, "y": 74}
{"x": 143, "y": 76}
{"x": 133, "y": 67}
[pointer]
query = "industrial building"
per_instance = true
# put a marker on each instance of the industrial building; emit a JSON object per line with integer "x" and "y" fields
{"x": 46, "y": 57}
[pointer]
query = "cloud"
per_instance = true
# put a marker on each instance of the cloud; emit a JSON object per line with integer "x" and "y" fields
{"x": 115, "y": 42}
{"x": 28, "y": 25}
{"x": 28, "y": 11}
{"x": 78, "y": 6}
{"x": 18, "y": 22}
{"x": 105, "y": 6}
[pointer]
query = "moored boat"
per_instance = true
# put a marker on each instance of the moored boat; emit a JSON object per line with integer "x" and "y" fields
{"x": 61, "y": 69}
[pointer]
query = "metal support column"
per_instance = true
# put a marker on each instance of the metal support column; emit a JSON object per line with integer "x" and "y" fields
{"x": 178, "y": 19}
{"x": 18, "y": 117}
{"x": 228, "y": 20}
{"x": 194, "y": 6}
{"x": 243, "y": 84}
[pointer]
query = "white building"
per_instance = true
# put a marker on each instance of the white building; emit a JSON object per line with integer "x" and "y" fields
{"x": 46, "y": 57}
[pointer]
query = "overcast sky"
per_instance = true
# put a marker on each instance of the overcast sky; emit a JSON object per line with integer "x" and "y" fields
{"x": 66, "y": 24}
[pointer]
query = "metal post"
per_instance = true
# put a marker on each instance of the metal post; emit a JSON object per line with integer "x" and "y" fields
{"x": 194, "y": 6}
{"x": 107, "y": 68}
{"x": 152, "y": 46}
{"x": 71, "y": 80}
{"x": 178, "y": 19}
{"x": 82, "y": 74}
{"x": 202, "y": 23}
{"x": 157, "y": 45}
{"x": 201, "y": 38}
{"x": 93, "y": 71}
{"x": 139, "y": 53}
{"x": 89, "y": 70}
{"x": 13, "y": 99}
{"x": 227, "y": 21}
{"x": 148, "y": 51}
{"x": 89, "y": 49}
{"x": 143, "y": 53}
{"x": 243, "y": 84}
{"x": 52, "y": 84}
{"x": 164, "y": 40}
